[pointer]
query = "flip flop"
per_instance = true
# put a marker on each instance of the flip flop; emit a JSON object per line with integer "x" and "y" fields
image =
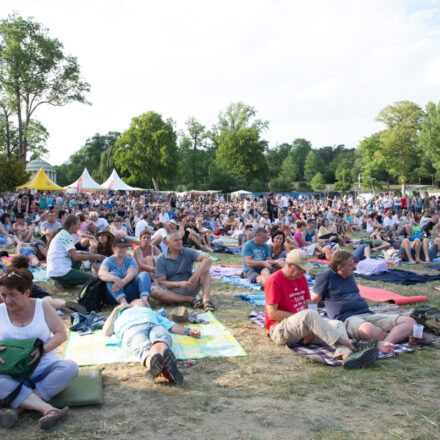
{"x": 196, "y": 303}
{"x": 53, "y": 417}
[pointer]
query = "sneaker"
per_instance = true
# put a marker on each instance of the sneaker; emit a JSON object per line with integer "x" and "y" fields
{"x": 361, "y": 344}
{"x": 170, "y": 370}
{"x": 360, "y": 358}
{"x": 156, "y": 366}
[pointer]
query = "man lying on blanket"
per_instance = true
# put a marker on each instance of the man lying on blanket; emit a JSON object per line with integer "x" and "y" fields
{"x": 144, "y": 333}
{"x": 288, "y": 320}
{"x": 342, "y": 300}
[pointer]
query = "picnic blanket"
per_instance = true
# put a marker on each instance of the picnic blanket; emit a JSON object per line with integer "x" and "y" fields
{"x": 239, "y": 281}
{"x": 224, "y": 270}
{"x": 40, "y": 274}
{"x": 381, "y": 295}
{"x": 216, "y": 341}
{"x": 257, "y": 299}
{"x": 324, "y": 353}
{"x": 404, "y": 277}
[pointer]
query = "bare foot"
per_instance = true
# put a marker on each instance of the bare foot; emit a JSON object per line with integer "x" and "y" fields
{"x": 418, "y": 260}
{"x": 386, "y": 347}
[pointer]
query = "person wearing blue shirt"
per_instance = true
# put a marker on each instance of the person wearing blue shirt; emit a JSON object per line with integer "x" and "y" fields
{"x": 145, "y": 334}
{"x": 338, "y": 288}
{"x": 257, "y": 262}
{"x": 120, "y": 272}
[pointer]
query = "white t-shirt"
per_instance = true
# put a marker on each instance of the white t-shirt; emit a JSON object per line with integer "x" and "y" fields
{"x": 101, "y": 223}
{"x": 141, "y": 225}
{"x": 58, "y": 257}
{"x": 163, "y": 233}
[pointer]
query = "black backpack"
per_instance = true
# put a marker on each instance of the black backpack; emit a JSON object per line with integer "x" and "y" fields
{"x": 92, "y": 295}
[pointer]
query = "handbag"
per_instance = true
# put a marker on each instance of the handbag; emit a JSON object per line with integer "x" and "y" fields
{"x": 16, "y": 358}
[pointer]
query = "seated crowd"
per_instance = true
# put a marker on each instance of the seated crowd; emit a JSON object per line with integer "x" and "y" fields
{"x": 81, "y": 237}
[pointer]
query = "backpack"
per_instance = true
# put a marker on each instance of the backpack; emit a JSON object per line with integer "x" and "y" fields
{"x": 16, "y": 358}
{"x": 92, "y": 294}
{"x": 427, "y": 316}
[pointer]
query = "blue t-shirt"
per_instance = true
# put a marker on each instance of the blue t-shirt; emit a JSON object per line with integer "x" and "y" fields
{"x": 112, "y": 265}
{"x": 341, "y": 295}
{"x": 139, "y": 315}
{"x": 257, "y": 252}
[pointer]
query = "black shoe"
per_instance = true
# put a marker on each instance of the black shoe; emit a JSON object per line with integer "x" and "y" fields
{"x": 156, "y": 366}
{"x": 170, "y": 370}
{"x": 361, "y": 344}
{"x": 360, "y": 358}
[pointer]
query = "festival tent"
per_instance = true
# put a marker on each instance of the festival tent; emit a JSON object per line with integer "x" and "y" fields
{"x": 240, "y": 192}
{"x": 41, "y": 182}
{"x": 85, "y": 184}
{"x": 114, "y": 183}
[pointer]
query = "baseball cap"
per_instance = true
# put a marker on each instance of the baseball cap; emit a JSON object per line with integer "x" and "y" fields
{"x": 299, "y": 258}
{"x": 121, "y": 241}
{"x": 173, "y": 222}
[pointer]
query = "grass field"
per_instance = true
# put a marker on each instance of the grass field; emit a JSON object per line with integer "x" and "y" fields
{"x": 271, "y": 394}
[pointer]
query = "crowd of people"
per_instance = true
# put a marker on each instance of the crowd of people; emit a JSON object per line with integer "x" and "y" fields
{"x": 152, "y": 248}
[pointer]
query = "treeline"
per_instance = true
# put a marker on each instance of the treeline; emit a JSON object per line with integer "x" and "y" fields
{"x": 233, "y": 154}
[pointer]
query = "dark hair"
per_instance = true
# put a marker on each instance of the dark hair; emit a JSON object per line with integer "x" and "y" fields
{"x": 61, "y": 212}
{"x": 300, "y": 224}
{"x": 19, "y": 215}
{"x": 278, "y": 232}
{"x": 19, "y": 279}
{"x": 70, "y": 220}
{"x": 4, "y": 217}
{"x": 145, "y": 232}
{"x": 20, "y": 262}
{"x": 339, "y": 259}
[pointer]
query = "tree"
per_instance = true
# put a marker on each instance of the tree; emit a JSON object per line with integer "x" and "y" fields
{"x": 312, "y": 165}
{"x": 344, "y": 181}
{"x": 290, "y": 167}
{"x": 148, "y": 150}
{"x": 317, "y": 182}
{"x": 400, "y": 138}
{"x": 241, "y": 153}
{"x": 275, "y": 157}
{"x": 373, "y": 161}
{"x": 35, "y": 71}
{"x": 301, "y": 148}
{"x": 12, "y": 173}
{"x": 280, "y": 184}
{"x": 429, "y": 140}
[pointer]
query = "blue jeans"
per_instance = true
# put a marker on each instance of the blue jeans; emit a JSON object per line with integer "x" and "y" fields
{"x": 139, "y": 338}
{"x": 138, "y": 287}
{"x": 358, "y": 254}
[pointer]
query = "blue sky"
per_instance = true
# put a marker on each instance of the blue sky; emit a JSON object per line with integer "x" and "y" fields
{"x": 319, "y": 70}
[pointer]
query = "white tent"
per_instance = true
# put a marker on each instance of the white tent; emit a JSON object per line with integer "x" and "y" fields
{"x": 114, "y": 183}
{"x": 84, "y": 184}
{"x": 240, "y": 192}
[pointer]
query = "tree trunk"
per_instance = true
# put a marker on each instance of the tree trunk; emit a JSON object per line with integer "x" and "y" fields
{"x": 21, "y": 150}
{"x": 403, "y": 187}
{"x": 155, "y": 184}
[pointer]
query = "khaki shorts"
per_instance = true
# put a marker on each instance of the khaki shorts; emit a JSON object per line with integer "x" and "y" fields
{"x": 193, "y": 291}
{"x": 385, "y": 321}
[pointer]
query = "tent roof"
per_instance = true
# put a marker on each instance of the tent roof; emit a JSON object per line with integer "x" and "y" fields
{"x": 240, "y": 191}
{"x": 115, "y": 183}
{"x": 42, "y": 182}
{"x": 85, "y": 183}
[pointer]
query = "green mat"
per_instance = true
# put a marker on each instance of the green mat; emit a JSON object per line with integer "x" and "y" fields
{"x": 85, "y": 389}
{"x": 216, "y": 341}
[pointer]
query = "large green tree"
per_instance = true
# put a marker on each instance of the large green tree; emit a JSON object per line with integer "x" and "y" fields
{"x": 12, "y": 173}
{"x": 241, "y": 153}
{"x": 300, "y": 149}
{"x": 34, "y": 71}
{"x": 429, "y": 140}
{"x": 148, "y": 150}
{"x": 344, "y": 180}
{"x": 400, "y": 138}
{"x": 313, "y": 165}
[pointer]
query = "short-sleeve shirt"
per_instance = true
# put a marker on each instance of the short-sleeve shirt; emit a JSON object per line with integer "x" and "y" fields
{"x": 176, "y": 270}
{"x": 290, "y": 295}
{"x": 257, "y": 252}
{"x": 341, "y": 295}
{"x": 58, "y": 257}
{"x": 113, "y": 267}
{"x": 51, "y": 227}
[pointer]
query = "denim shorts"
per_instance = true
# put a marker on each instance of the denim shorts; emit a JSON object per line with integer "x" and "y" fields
{"x": 139, "y": 338}
{"x": 27, "y": 252}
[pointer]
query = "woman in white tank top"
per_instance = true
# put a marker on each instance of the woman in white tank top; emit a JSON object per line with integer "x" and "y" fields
{"x": 22, "y": 317}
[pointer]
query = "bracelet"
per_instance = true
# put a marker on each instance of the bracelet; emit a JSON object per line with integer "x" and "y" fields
{"x": 187, "y": 331}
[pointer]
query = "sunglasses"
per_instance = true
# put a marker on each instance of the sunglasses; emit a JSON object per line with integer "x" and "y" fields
{"x": 11, "y": 274}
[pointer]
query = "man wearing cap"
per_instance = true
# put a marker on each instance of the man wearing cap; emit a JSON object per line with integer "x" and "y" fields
{"x": 338, "y": 288}
{"x": 289, "y": 321}
{"x": 120, "y": 272}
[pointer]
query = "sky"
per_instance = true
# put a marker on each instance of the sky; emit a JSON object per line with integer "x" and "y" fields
{"x": 319, "y": 70}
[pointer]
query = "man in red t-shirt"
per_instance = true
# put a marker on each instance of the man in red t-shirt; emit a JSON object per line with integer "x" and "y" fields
{"x": 289, "y": 321}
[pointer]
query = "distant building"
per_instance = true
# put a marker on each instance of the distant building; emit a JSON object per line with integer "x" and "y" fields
{"x": 34, "y": 166}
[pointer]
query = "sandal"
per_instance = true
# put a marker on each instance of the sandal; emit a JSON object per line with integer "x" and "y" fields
{"x": 8, "y": 418}
{"x": 196, "y": 303}
{"x": 208, "y": 306}
{"x": 52, "y": 417}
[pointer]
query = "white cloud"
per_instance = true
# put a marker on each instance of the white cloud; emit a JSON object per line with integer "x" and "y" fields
{"x": 320, "y": 70}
